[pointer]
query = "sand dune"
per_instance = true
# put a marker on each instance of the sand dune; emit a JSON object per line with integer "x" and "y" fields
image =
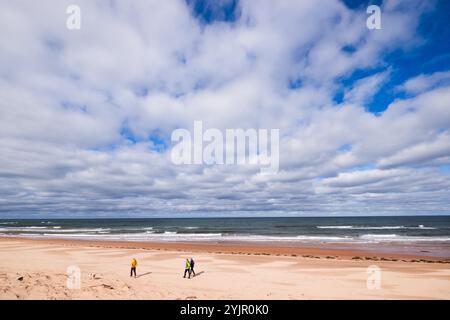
{"x": 33, "y": 269}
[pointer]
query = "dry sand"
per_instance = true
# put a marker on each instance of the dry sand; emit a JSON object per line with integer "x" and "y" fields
{"x": 37, "y": 269}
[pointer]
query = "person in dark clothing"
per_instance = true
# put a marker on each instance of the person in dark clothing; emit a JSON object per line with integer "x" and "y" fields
{"x": 192, "y": 263}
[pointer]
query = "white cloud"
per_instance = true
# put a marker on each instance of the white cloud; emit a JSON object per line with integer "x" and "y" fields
{"x": 365, "y": 89}
{"x": 420, "y": 153}
{"x": 423, "y": 83}
{"x": 149, "y": 65}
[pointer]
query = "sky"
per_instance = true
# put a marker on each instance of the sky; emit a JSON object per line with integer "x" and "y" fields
{"x": 86, "y": 115}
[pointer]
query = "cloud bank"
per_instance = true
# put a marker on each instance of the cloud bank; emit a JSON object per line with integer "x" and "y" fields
{"x": 86, "y": 115}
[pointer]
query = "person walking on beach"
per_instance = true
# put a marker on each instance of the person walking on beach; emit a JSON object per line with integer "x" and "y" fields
{"x": 133, "y": 267}
{"x": 192, "y": 263}
{"x": 187, "y": 269}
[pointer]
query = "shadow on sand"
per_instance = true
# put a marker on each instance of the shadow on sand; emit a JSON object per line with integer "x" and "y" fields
{"x": 198, "y": 273}
{"x": 143, "y": 274}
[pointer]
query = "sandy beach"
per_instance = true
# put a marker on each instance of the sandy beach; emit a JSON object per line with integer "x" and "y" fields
{"x": 37, "y": 269}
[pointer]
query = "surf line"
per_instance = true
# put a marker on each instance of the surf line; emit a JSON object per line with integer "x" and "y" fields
{"x": 193, "y": 310}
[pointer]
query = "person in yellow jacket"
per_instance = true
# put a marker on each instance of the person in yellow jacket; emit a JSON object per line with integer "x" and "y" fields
{"x": 187, "y": 269}
{"x": 133, "y": 267}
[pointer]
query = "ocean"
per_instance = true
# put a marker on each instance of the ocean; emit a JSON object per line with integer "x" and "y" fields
{"x": 434, "y": 229}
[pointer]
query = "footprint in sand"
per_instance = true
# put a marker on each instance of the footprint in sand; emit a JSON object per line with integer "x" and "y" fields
{"x": 107, "y": 286}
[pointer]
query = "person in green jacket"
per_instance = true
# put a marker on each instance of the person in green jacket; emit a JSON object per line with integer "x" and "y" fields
{"x": 187, "y": 269}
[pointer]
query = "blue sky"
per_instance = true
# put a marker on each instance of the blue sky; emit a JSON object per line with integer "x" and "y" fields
{"x": 86, "y": 115}
{"x": 209, "y": 12}
{"x": 429, "y": 56}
